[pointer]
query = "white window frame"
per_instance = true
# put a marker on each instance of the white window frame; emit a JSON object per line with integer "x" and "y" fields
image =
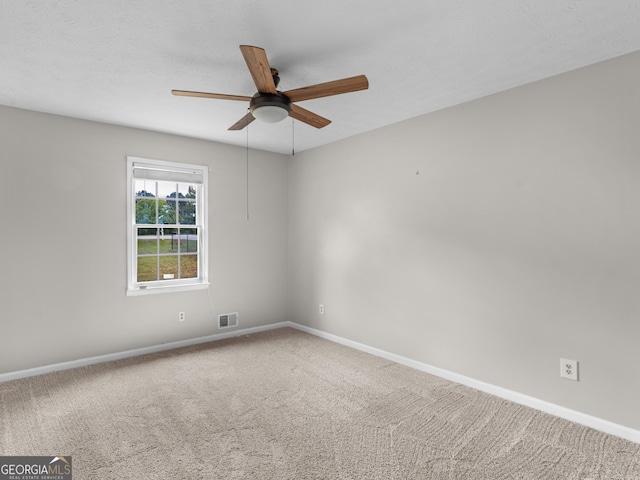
{"x": 167, "y": 171}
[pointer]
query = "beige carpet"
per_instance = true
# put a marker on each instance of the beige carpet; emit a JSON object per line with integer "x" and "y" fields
{"x": 287, "y": 405}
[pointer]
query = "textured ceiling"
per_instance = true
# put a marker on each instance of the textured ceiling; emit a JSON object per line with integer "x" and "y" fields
{"x": 116, "y": 61}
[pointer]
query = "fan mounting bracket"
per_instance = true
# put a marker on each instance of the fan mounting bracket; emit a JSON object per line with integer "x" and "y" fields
{"x": 275, "y": 75}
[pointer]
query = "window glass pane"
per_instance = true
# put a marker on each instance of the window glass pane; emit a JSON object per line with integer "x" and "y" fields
{"x": 187, "y": 190}
{"x": 167, "y": 209}
{"x": 145, "y": 188}
{"x": 145, "y": 211}
{"x": 187, "y": 211}
{"x": 166, "y": 189}
{"x": 169, "y": 241}
{"x": 166, "y": 244}
{"x": 168, "y": 267}
{"x": 147, "y": 269}
{"x": 147, "y": 241}
{"x": 189, "y": 266}
{"x": 188, "y": 240}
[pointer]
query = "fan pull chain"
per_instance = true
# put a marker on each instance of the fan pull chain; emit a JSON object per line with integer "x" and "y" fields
{"x": 293, "y": 137}
{"x": 248, "y": 169}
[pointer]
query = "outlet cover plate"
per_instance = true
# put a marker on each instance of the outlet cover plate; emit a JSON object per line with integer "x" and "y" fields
{"x": 569, "y": 369}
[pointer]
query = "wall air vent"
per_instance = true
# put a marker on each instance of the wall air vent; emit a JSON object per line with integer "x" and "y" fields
{"x": 228, "y": 320}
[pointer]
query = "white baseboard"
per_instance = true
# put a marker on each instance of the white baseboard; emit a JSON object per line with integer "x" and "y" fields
{"x": 526, "y": 400}
{"x": 547, "y": 407}
{"x": 83, "y": 362}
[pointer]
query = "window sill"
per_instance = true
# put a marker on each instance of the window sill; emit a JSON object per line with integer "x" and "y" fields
{"x": 134, "y": 292}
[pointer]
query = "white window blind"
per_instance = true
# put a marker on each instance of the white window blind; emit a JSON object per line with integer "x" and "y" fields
{"x": 144, "y": 171}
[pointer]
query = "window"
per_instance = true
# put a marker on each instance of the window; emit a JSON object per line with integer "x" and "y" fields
{"x": 167, "y": 226}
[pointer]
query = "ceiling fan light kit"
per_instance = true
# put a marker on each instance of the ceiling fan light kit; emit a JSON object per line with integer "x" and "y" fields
{"x": 271, "y": 106}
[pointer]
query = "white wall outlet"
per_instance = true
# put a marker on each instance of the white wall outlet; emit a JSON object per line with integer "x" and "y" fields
{"x": 569, "y": 369}
{"x": 321, "y": 309}
{"x": 181, "y": 316}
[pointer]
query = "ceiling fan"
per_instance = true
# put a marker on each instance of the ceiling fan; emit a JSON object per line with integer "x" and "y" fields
{"x": 270, "y": 105}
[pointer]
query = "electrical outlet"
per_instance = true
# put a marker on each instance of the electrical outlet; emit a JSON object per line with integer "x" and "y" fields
{"x": 569, "y": 369}
{"x": 321, "y": 309}
{"x": 181, "y": 316}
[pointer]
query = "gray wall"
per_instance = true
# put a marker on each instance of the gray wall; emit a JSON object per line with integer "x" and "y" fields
{"x": 63, "y": 241}
{"x": 489, "y": 239}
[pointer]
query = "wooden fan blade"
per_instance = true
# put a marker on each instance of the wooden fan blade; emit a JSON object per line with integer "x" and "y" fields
{"x": 337, "y": 87}
{"x": 243, "y": 122}
{"x": 221, "y": 96}
{"x": 258, "y": 64}
{"x": 308, "y": 117}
